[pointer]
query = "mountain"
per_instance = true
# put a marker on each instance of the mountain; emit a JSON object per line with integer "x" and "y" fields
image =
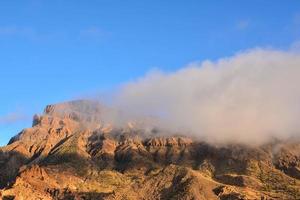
{"x": 71, "y": 152}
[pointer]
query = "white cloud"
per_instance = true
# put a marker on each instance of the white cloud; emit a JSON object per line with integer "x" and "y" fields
{"x": 250, "y": 98}
{"x": 295, "y": 46}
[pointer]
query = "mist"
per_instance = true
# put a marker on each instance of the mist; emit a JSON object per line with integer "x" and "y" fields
{"x": 251, "y": 97}
{"x": 13, "y": 117}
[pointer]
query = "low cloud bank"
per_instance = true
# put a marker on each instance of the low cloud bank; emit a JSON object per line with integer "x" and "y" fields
{"x": 250, "y": 98}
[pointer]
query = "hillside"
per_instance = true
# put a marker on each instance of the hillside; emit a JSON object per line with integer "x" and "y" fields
{"x": 71, "y": 153}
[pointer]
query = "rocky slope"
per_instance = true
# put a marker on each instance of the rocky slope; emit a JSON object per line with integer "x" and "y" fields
{"x": 71, "y": 153}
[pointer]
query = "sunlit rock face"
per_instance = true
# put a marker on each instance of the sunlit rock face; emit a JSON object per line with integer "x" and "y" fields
{"x": 73, "y": 151}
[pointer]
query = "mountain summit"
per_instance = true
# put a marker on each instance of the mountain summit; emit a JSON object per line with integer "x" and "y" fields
{"x": 73, "y": 152}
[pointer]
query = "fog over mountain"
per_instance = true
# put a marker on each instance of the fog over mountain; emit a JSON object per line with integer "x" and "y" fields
{"x": 250, "y": 97}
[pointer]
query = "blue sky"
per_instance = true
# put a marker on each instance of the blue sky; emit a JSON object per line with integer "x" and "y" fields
{"x": 52, "y": 51}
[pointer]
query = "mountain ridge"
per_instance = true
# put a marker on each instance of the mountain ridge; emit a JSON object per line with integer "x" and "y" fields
{"x": 71, "y": 152}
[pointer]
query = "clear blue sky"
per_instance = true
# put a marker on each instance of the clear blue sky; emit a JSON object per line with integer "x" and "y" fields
{"x": 54, "y": 50}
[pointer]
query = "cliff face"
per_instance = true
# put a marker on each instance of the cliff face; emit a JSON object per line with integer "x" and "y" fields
{"x": 71, "y": 153}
